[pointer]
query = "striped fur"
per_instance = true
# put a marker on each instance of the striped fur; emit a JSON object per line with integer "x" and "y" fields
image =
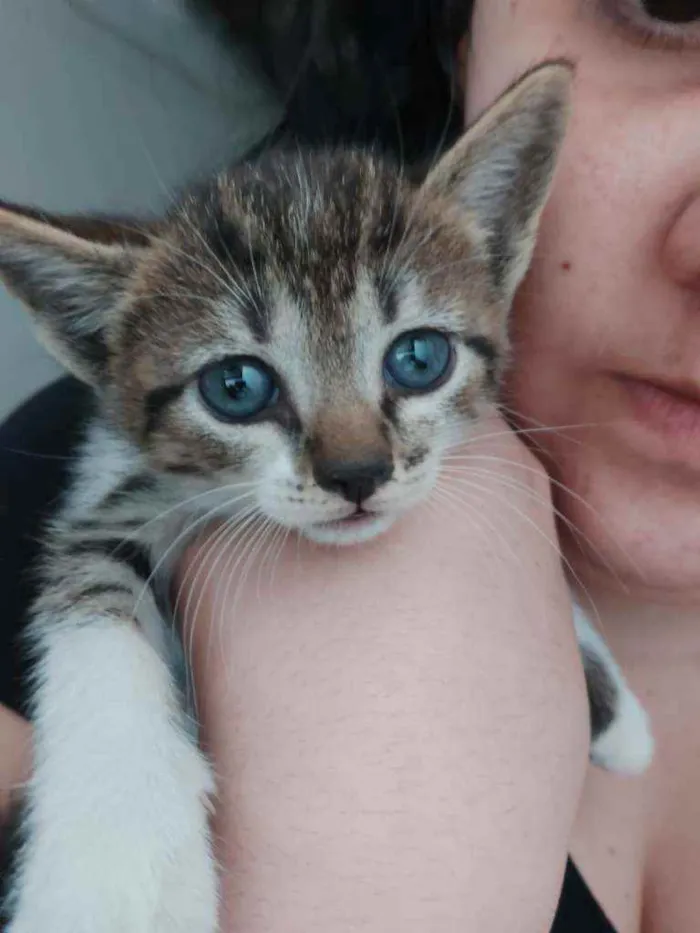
{"x": 313, "y": 263}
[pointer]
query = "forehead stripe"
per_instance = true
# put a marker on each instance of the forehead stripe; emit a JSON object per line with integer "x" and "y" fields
{"x": 486, "y": 349}
{"x": 237, "y": 259}
{"x": 483, "y": 346}
{"x": 156, "y": 402}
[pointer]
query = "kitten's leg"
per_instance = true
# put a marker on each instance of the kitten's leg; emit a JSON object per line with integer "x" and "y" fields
{"x": 116, "y": 837}
{"x": 621, "y": 739}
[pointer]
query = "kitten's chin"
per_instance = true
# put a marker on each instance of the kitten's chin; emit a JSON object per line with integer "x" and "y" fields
{"x": 349, "y": 530}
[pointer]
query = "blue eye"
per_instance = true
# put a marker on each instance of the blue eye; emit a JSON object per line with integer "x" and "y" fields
{"x": 238, "y": 388}
{"x": 418, "y": 361}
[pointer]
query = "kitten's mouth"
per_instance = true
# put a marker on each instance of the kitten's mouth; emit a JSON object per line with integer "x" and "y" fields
{"x": 360, "y": 525}
{"x": 358, "y": 517}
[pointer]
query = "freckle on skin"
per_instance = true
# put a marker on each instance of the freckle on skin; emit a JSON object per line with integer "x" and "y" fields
{"x": 566, "y": 265}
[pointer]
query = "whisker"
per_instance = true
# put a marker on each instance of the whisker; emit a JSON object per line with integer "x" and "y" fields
{"x": 203, "y": 555}
{"x": 39, "y": 456}
{"x": 230, "y": 526}
{"x": 227, "y": 575}
{"x": 566, "y": 490}
{"x": 284, "y": 537}
{"x": 135, "y": 534}
{"x": 451, "y": 496}
{"x": 547, "y": 505}
{"x": 232, "y": 534}
{"x": 554, "y": 545}
{"x": 234, "y": 552}
{"x": 517, "y": 420}
{"x": 237, "y": 288}
{"x": 456, "y": 497}
{"x": 509, "y": 432}
{"x": 276, "y": 531}
{"x": 444, "y": 496}
{"x": 179, "y": 539}
{"x": 247, "y": 556}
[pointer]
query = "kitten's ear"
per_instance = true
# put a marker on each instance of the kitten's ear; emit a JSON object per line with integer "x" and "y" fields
{"x": 501, "y": 170}
{"x": 71, "y": 273}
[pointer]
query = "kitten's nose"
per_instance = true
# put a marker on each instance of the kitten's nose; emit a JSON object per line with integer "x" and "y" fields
{"x": 355, "y": 482}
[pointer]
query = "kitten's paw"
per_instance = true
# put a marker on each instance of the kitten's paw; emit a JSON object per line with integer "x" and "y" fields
{"x": 627, "y": 745}
{"x": 112, "y": 899}
{"x": 148, "y": 870}
{"x": 624, "y": 743}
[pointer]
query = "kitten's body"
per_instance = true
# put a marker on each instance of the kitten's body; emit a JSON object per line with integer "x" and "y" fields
{"x": 329, "y": 288}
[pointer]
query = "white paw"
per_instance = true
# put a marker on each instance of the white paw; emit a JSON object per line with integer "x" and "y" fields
{"x": 117, "y": 833}
{"x": 149, "y": 870}
{"x": 627, "y": 745}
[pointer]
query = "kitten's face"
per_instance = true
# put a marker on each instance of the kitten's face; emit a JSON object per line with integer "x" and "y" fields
{"x": 326, "y": 331}
{"x": 313, "y": 328}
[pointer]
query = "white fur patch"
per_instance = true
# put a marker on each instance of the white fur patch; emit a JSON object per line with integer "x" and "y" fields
{"x": 107, "y": 459}
{"x": 118, "y": 840}
{"x": 627, "y": 745}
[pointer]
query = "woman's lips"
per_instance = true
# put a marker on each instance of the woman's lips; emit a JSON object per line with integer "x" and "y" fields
{"x": 670, "y": 410}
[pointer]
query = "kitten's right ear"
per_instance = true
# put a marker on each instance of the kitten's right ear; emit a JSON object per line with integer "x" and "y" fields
{"x": 71, "y": 272}
{"x": 499, "y": 173}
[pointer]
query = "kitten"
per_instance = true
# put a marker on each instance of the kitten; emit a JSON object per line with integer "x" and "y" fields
{"x": 300, "y": 338}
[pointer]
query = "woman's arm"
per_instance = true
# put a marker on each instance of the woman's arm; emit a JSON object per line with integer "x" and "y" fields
{"x": 399, "y": 729}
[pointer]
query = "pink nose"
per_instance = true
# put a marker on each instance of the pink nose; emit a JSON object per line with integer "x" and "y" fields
{"x": 681, "y": 253}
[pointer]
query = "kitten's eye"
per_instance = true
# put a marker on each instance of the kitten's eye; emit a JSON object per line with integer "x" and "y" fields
{"x": 238, "y": 388}
{"x": 419, "y": 361}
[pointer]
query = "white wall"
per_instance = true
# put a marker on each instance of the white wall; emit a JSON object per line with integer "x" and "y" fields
{"x": 108, "y": 104}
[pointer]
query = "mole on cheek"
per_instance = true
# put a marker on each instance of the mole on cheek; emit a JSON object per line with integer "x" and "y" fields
{"x": 566, "y": 265}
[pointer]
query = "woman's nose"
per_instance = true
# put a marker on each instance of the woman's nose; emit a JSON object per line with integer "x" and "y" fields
{"x": 681, "y": 252}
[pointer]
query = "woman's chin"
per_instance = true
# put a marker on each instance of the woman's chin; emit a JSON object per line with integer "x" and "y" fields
{"x": 628, "y": 533}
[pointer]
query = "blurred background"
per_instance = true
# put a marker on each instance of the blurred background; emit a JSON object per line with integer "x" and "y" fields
{"x": 109, "y": 105}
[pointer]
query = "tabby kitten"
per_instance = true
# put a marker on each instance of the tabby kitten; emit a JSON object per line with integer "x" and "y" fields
{"x": 302, "y": 338}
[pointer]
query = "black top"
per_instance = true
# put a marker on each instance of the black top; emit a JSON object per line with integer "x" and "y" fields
{"x": 37, "y": 444}
{"x": 578, "y": 911}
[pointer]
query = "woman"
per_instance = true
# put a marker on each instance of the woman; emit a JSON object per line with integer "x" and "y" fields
{"x": 431, "y": 775}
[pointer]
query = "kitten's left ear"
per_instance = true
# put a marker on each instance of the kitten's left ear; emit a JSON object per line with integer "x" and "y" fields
{"x": 500, "y": 172}
{"x": 71, "y": 272}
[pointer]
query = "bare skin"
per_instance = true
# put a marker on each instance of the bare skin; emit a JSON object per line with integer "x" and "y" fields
{"x": 15, "y": 756}
{"x": 399, "y": 726}
{"x": 610, "y": 309}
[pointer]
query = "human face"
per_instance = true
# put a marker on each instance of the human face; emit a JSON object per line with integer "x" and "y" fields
{"x": 607, "y": 324}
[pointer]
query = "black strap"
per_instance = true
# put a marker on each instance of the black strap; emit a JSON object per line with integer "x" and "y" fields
{"x": 578, "y": 910}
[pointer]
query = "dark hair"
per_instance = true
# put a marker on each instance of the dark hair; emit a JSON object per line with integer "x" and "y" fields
{"x": 377, "y": 72}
